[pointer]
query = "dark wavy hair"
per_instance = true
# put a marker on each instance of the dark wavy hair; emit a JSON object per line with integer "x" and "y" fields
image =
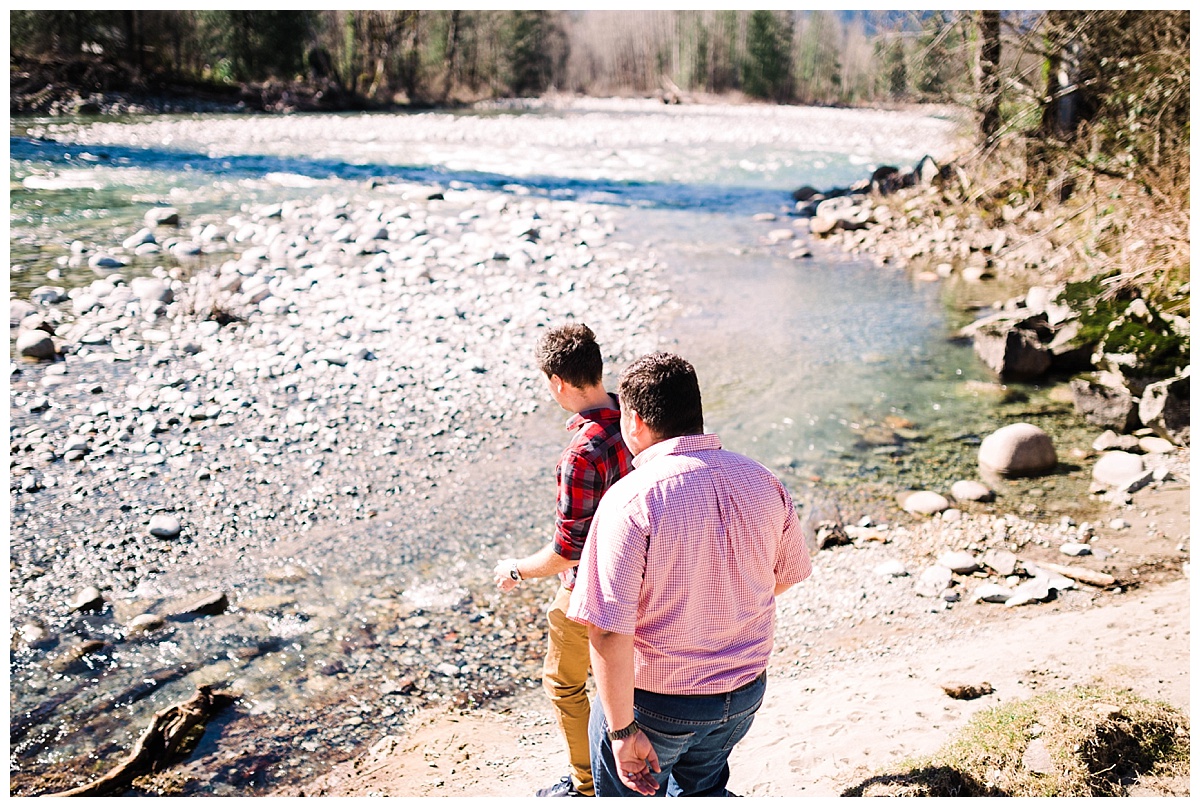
{"x": 663, "y": 389}
{"x": 571, "y": 353}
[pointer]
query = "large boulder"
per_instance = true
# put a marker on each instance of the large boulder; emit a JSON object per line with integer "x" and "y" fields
{"x": 1020, "y": 449}
{"x": 1105, "y": 401}
{"x": 1166, "y": 408}
{"x": 1013, "y": 346}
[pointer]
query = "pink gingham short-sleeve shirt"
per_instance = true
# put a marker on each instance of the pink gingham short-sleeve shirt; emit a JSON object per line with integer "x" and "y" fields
{"x": 684, "y": 553}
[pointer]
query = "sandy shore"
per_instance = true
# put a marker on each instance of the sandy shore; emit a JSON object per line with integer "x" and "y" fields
{"x": 823, "y": 731}
{"x": 832, "y": 718}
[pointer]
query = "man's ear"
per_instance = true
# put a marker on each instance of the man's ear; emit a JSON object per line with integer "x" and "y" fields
{"x": 637, "y": 426}
{"x": 557, "y": 383}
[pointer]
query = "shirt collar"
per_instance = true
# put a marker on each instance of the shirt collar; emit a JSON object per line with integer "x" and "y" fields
{"x": 684, "y": 444}
{"x": 601, "y": 414}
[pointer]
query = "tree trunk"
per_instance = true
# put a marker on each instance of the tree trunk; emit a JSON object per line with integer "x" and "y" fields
{"x": 989, "y": 77}
{"x": 451, "y": 53}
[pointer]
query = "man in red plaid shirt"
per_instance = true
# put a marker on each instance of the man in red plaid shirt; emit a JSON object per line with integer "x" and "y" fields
{"x": 595, "y": 458}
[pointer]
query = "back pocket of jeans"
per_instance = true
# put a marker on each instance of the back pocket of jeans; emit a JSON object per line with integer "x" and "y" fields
{"x": 669, "y": 747}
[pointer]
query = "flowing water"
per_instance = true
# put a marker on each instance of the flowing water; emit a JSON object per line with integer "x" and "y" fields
{"x": 831, "y": 369}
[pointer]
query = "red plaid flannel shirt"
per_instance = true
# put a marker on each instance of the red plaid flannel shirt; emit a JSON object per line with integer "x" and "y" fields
{"x": 595, "y": 459}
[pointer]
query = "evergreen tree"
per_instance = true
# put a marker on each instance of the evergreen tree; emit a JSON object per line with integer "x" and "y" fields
{"x": 767, "y": 71}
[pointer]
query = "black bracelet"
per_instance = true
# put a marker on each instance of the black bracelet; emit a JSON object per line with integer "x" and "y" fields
{"x": 620, "y": 734}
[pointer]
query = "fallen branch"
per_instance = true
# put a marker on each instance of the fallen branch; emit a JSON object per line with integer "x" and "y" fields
{"x": 173, "y": 733}
{"x": 1082, "y": 575}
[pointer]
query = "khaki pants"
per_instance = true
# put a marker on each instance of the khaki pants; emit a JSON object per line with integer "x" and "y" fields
{"x": 564, "y": 676}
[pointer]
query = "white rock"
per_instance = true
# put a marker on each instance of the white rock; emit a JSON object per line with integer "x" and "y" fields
{"x": 1119, "y": 524}
{"x": 48, "y": 295}
{"x": 970, "y": 491}
{"x": 958, "y": 562}
{"x": 933, "y": 581}
{"x": 144, "y": 623}
{"x": 142, "y": 236}
{"x": 164, "y": 526}
{"x": 991, "y": 592}
{"x": 1156, "y": 445}
{"x": 88, "y": 599}
{"x": 891, "y": 568}
{"x": 161, "y": 216}
{"x": 105, "y": 262}
{"x": 1001, "y": 561}
{"x": 925, "y": 502}
{"x": 1075, "y": 550}
{"x": 1116, "y": 468}
{"x": 35, "y": 345}
{"x": 1019, "y": 449}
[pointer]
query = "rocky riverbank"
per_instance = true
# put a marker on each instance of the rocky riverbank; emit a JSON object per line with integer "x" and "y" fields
{"x": 300, "y": 370}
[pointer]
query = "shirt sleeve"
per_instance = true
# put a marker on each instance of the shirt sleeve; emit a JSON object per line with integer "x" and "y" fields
{"x": 579, "y": 491}
{"x": 792, "y": 563}
{"x": 609, "y": 584}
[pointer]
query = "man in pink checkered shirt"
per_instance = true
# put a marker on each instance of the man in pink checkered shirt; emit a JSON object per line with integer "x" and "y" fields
{"x": 677, "y": 585}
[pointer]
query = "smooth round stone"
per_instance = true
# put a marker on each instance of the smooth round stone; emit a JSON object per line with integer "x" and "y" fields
{"x": 959, "y": 562}
{"x": 105, "y": 262}
{"x": 1075, "y": 550}
{"x": 925, "y": 502}
{"x": 88, "y": 599}
{"x": 1116, "y": 468}
{"x": 161, "y": 216}
{"x": 1119, "y": 524}
{"x": 152, "y": 288}
{"x": 144, "y": 623}
{"x": 142, "y": 236}
{"x": 1019, "y": 449}
{"x": 35, "y": 345}
{"x": 18, "y": 310}
{"x": 48, "y": 295}
{"x": 1156, "y": 445}
{"x": 991, "y": 592}
{"x": 164, "y": 526}
{"x": 891, "y": 568}
{"x": 967, "y": 490}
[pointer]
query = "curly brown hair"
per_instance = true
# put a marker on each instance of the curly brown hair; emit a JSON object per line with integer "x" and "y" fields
{"x": 571, "y": 353}
{"x": 663, "y": 389}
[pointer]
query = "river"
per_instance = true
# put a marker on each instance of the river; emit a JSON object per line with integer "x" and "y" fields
{"x": 834, "y": 371}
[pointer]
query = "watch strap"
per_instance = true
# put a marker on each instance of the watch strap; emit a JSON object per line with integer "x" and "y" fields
{"x": 620, "y": 734}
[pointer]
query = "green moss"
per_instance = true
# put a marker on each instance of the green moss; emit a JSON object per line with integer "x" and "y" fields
{"x": 1103, "y": 323}
{"x": 1161, "y": 352}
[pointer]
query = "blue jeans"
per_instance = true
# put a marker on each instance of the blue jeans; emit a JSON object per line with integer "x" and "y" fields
{"x": 693, "y": 736}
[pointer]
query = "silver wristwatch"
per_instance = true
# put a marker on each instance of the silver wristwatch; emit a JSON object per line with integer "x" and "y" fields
{"x": 513, "y": 572}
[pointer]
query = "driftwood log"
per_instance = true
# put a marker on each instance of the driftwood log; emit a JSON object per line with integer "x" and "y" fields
{"x": 172, "y": 733}
{"x": 1099, "y": 579}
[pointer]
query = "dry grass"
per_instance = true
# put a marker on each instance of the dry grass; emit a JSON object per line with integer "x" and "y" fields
{"x": 1134, "y": 234}
{"x": 1087, "y": 741}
